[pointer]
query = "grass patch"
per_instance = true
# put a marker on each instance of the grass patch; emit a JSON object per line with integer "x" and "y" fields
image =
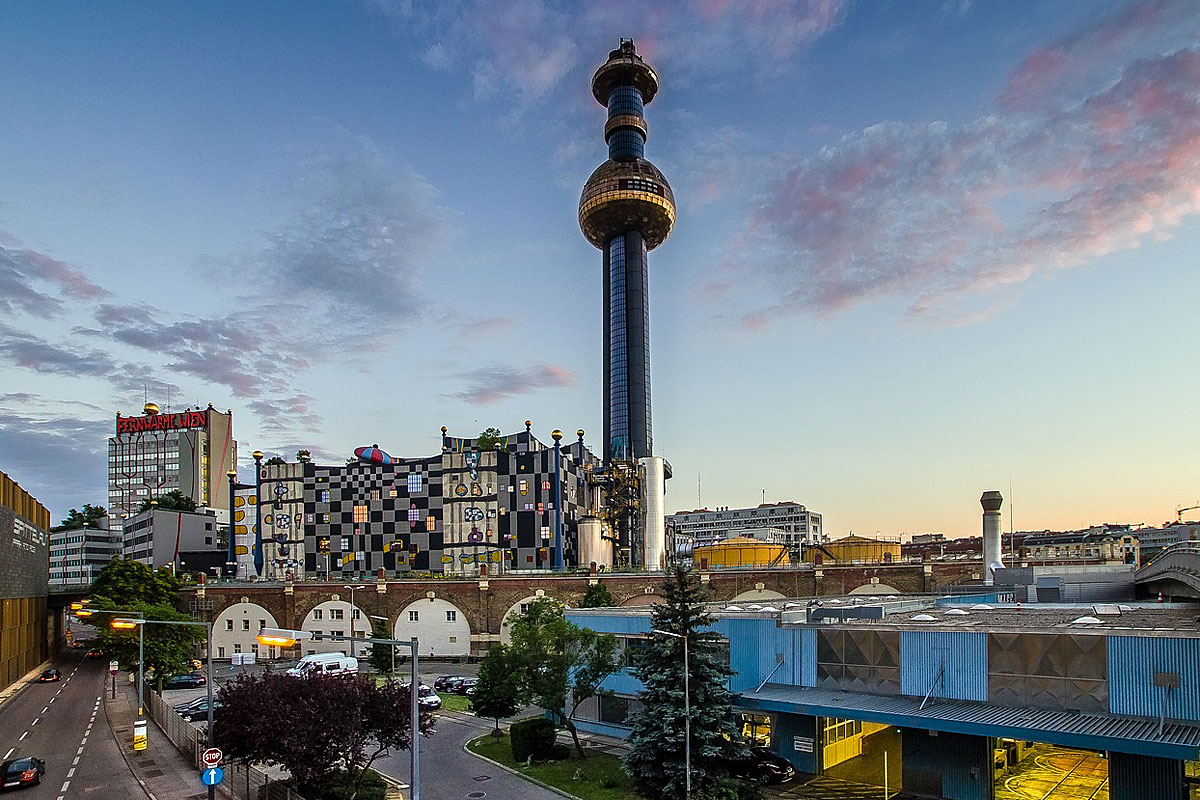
{"x": 601, "y": 775}
{"x": 455, "y": 702}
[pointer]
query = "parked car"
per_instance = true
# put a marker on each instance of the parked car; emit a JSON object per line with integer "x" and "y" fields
{"x": 466, "y": 687}
{"x": 452, "y": 684}
{"x": 325, "y": 664}
{"x": 26, "y": 771}
{"x": 49, "y": 676}
{"x": 428, "y": 699}
{"x": 184, "y": 681}
{"x": 761, "y": 765}
{"x": 444, "y": 681}
{"x": 200, "y": 712}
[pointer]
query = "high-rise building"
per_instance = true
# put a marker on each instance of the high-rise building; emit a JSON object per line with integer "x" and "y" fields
{"x": 152, "y": 454}
{"x": 78, "y": 554}
{"x": 627, "y": 209}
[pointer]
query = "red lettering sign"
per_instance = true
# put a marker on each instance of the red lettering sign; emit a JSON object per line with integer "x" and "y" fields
{"x": 156, "y": 423}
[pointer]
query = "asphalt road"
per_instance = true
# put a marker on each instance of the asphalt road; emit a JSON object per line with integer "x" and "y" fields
{"x": 63, "y": 724}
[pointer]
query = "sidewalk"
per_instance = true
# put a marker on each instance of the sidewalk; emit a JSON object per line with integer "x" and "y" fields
{"x": 14, "y": 688}
{"x": 161, "y": 770}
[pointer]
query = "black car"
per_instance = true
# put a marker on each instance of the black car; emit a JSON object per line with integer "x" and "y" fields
{"x": 451, "y": 685}
{"x": 465, "y": 686}
{"x": 200, "y": 712}
{"x": 49, "y": 676}
{"x": 26, "y": 771}
{"x": 443, "y": 682}
{"x": 184, "y": 681}
{"x": 760, "y": 765}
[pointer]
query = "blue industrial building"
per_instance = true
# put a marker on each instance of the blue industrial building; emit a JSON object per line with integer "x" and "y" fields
{"x": 968, "y": 700}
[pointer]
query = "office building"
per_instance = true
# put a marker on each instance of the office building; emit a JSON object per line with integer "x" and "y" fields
{"x": 155, "y": 453}
{"x": 77, "y": 555}
{"x": 182, "y": 541}
{"x": 786, "y": 523}
{"x": 24, "y": 567}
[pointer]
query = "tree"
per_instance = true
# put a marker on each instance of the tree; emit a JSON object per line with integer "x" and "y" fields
{"x": 89, "y": 517}
{"x": 497, "y": 694}
{"x": 558, "y": 664}
{"x": 656, "y": 756}
{"x": 273, "y": 461}
{"x": 314, "y": 727}
{"x": 173, "y": 500}
{"x": 490, "y": 439}
{"x": 132, "y": 586}
{"x": 303, "y": 455}
{"x": 383, "y": 656}
{"x": 597, "y": 596}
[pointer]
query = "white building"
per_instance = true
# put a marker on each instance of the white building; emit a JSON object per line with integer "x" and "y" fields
{"x": 788, "y": 523}
{"x": 150, "y": 455}
{"x": 1151, "y": 541}
{"x": 181, "y": 540}
{"x": 78, "y": 555}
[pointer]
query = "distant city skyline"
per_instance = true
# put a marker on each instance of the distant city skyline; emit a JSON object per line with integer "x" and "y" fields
{"x": 923, "y": 250}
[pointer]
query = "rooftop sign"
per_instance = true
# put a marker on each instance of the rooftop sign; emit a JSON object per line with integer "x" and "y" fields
{"x": 154, "y": 423}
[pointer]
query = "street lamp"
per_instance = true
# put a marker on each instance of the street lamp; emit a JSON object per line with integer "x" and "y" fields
{"x": 687, "y": 714}
{"x": 353, "y": 609}
{"x": 283, "y": 637}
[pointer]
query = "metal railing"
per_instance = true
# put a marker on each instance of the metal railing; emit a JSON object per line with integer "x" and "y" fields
{"x": 241, "y": 782}
{"x": 1177, "y": 548}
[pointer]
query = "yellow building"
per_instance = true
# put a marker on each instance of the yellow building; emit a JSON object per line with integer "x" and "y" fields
{"x": 740, "y": 551}
{"x": 854, "y": 548}
{"x": 24, "y": 575}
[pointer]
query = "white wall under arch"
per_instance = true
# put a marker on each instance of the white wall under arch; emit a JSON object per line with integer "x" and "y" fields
{"x": 874, "y": 588}
{"x": 515, "y": 610}
{"x": 321, "y": 618}
{"x": 757, "y": 594}
{"x": 441, "y": 627}
{"x": 247, "y": 619}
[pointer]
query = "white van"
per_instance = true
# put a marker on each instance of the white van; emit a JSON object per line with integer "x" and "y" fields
{"x": 325, "y": 664}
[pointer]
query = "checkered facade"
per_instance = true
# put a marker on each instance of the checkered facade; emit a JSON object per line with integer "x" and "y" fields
{"x": 446, "y": 514}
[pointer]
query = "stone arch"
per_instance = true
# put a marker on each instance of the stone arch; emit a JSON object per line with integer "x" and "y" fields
{"x": 757, "y": 594}
{"x": 235, "y": 630}
{"x": 515, "y": 610}
{"x": 643, "y": 599}
{"x": 335, "y": 616}
{"x": 874, "y": 588}
{"x": 441, "y": 628}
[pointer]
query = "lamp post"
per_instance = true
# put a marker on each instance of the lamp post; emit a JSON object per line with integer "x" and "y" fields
{"x": 557, "y": 435}
{"x": 687, "y": 714}
{"x": 231, "y": 556}
{"x": 282, "y": 637}
{"x": 258, "y": 552}
{"x": 353, "y": 608}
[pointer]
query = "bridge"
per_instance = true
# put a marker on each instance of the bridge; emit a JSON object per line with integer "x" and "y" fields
{"x": 1173, "y": 573}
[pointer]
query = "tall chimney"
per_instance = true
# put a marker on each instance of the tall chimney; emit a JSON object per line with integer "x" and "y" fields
{"x": 991, "y": 502}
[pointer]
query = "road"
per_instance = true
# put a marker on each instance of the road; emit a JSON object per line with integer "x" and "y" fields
{"x": 63, "y": 724}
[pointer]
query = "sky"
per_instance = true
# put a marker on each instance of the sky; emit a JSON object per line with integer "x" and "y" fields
{"x": 924, "y": 248}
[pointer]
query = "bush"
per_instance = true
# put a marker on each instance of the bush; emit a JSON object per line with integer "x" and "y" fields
{"x": 372, "y": 787}
{"x": 532, "y": 738}
{"x": 734, "y": 789}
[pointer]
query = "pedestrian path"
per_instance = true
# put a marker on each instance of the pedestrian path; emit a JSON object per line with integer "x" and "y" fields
{"x": 161, "y": 770}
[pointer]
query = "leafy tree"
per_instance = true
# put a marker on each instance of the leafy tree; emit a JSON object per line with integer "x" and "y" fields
{"x": 89, "y": 517}
{"x": 124, "y": 581}
{"x": 316, "y": 728}
{"x": 656, "y": 756}
{"x": 497, "y": 695}
{"x": 597, "y": 596}
{"x": 173, "y": 500}
{"x": 558, "y": 664}
{"x": 382, "y": 655}
{"x": 302, "y": 455}
{"x": 489, "y": 439}
{"x": 273, "y": 460}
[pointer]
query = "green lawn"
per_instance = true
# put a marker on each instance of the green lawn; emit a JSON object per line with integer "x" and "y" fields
{"x": 601, "y": 775}
{"x": 454, "y": 702}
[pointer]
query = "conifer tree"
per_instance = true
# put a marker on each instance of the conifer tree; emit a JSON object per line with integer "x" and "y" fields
{"x": 656, "y": 757}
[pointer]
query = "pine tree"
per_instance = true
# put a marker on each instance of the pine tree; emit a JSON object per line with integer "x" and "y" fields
{"x": 656, "y": 758}
{"x": 383, "y": 656}
{"x": 597, "y": 596}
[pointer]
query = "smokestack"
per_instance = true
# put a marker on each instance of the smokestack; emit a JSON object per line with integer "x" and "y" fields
{"x": 991, "y": 502}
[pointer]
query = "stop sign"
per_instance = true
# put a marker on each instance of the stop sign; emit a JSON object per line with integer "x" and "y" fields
{"x": 211, "y": 757}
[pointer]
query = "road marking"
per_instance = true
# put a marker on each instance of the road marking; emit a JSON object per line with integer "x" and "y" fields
{"x": 44, "y": 710}
{"x": 9, "y": 753}
{"x": 52, "y": 699}
{"x": 35, "y": 721}
{"x": 71, "y": 772}
{"x": 23, "y": 735}
{"x": 64, "y": 787}
{"x": 83, "y": 741}
{"x": 79, "y": 752}
{"x": 74, "y": 763}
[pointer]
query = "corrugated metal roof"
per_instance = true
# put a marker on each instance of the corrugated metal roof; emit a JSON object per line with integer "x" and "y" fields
{"x": 1070, "y": 728}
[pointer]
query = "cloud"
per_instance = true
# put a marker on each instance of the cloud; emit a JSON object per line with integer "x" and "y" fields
{"x": 34, "y": 353}
{"x": 492, "y": 384}
{"x": 934, "y": 212}
{"x": 21, "y": 270}
{"x": 286, "y": 414}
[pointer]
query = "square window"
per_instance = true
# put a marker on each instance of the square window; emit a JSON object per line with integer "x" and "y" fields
{"x": 323, "y": 496}
{"x": 414, "y": 616}
{"x": 414, "y": 482}
{"x": 262, "y": 623}
{"x": 318, "y": 613}
{"x": 220, "y": 652}
{"x": 414, "y": 516}
{"x": 337, "y": 613}
{"x": 430, "y": 523}
{"x": 245, "y": 624}
{"x": 362, "y": 514}
{"x": 237, "y": 648}
{"x": 451, "y": 616}
{"x": 228, "y": 624}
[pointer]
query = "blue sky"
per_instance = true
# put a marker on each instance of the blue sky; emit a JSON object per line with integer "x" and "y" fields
{"x": 924, "y": 249}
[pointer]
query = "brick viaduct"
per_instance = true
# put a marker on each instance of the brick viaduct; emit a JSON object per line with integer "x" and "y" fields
{"x": 484, "y": 601}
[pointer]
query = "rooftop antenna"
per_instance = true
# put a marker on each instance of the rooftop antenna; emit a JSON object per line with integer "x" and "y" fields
{"x": 1012, "y": 539}
{"x": 764, "y": 497}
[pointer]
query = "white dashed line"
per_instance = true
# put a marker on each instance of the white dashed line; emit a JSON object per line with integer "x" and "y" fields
{"x": 52, "y": 699}
{"x": 44, "y": 710}
{"x": 71, "y": 772}
{"x": 9, "y": 753}
{"x": 79, "y": 752}
{"x": 64, "y": 787}
{"x": 75, "y": 763}
{"x": 83, "y": 741}
{"x": 23, "y": 735}
{"x": 36, "y": 721}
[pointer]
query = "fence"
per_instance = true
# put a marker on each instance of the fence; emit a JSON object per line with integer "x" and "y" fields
{"x": 241, "y": 782}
